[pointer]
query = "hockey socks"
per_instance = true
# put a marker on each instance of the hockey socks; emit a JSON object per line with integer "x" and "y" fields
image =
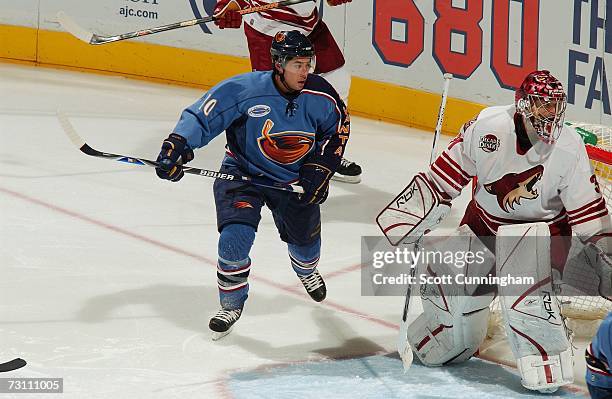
{"x": 234, "y": 265}
{"x": 304, "y": 260}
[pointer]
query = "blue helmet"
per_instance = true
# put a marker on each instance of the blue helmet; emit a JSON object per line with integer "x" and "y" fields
{"x": 290, "y": 44}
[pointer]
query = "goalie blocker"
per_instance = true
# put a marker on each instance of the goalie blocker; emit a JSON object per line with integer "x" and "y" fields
{"x": 418, "y": 209}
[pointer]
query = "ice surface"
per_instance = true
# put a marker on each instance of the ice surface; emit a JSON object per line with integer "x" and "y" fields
{"x": 108, "y": 273}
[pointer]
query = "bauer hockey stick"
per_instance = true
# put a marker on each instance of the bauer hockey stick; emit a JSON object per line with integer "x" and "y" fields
{"x": 403, "y": 347}
{"x": 89, "y": 37}
{"x": 85, "y": 148}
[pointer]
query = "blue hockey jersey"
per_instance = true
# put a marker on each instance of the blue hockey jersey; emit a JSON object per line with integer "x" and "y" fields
{"x": 598, "y": 356}
{"x": 270, "y": 134}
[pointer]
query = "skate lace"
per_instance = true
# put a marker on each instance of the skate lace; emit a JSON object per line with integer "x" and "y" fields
{"x": 312, "y": 281}
{"x": 228, "y": 316}
{"x": 345, "y": 162}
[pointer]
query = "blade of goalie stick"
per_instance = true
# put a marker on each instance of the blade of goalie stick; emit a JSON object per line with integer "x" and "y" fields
{"x": 86, "y": 149}
{"x": 12, "y": 365}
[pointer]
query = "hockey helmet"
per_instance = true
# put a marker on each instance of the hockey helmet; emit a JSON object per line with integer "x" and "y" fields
{"x": 542, "y": 100}
{"x": 287, "y": 45}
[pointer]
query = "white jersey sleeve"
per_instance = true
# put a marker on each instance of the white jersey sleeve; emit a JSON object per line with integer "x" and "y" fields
{"x": 582, "y": 198}
{"x": 302, "y": 17}
{"x": 455, "y": 166}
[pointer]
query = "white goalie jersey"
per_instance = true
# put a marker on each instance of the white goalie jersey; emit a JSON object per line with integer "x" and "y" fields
{"x": 547, "y": 183}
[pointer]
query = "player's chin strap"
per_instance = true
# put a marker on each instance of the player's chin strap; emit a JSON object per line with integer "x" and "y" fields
{"x": 292, "y": 106}
{"x": 281, "y": 76}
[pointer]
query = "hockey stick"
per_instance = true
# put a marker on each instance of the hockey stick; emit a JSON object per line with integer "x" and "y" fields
{"x": 447, "y": 79}
{"x": 403, "y": 347}
{"x": 85, "y": 148}
{"x": 14, "y": 364}
{"x": 89, "y": 37}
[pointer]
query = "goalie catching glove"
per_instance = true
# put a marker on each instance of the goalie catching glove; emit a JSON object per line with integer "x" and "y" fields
{"x": 227, "y": 14}
{"x": 589, "y": 268}
{"x": 418, "y": 209}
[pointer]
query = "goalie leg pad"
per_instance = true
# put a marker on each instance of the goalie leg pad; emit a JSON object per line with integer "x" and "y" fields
{"x": 532, "y": 315}
{"x": 440, "y": 337}
{"x": 455, "y": 314}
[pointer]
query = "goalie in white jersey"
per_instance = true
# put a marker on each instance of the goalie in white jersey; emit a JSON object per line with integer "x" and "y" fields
{"x": 529, "y": 168}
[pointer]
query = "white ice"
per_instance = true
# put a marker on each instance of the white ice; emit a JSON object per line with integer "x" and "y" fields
{"x": 108, "y": 273}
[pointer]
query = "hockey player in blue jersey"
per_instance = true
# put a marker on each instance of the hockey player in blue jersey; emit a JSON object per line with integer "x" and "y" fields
{"x": 286, "y": 125}
{"x": 598, "y": 356}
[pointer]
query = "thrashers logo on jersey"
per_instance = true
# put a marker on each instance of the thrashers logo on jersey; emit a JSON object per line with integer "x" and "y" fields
{"x": 513, "y": 187}
{"x": 284, "y": 147}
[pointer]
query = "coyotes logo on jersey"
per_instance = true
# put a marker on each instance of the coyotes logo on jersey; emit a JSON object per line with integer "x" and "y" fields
{"x": 513, "y": 187}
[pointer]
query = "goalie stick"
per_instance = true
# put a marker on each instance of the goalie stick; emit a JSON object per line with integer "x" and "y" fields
{"x": 404, "y": 348}
{"x": 89, "y": 37}
{"x": 85, "y": 148}
{"x": 447, "y": 79}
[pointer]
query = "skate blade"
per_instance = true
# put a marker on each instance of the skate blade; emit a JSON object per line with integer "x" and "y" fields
{"x": 548, "y": 390}
{"x": 346, "y": 179}
{"x": 218, "y": 335}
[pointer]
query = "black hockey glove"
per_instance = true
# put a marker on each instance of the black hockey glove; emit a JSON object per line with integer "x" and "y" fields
{"x": 314, "y": 179}
{"x": 173, "y": 155}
